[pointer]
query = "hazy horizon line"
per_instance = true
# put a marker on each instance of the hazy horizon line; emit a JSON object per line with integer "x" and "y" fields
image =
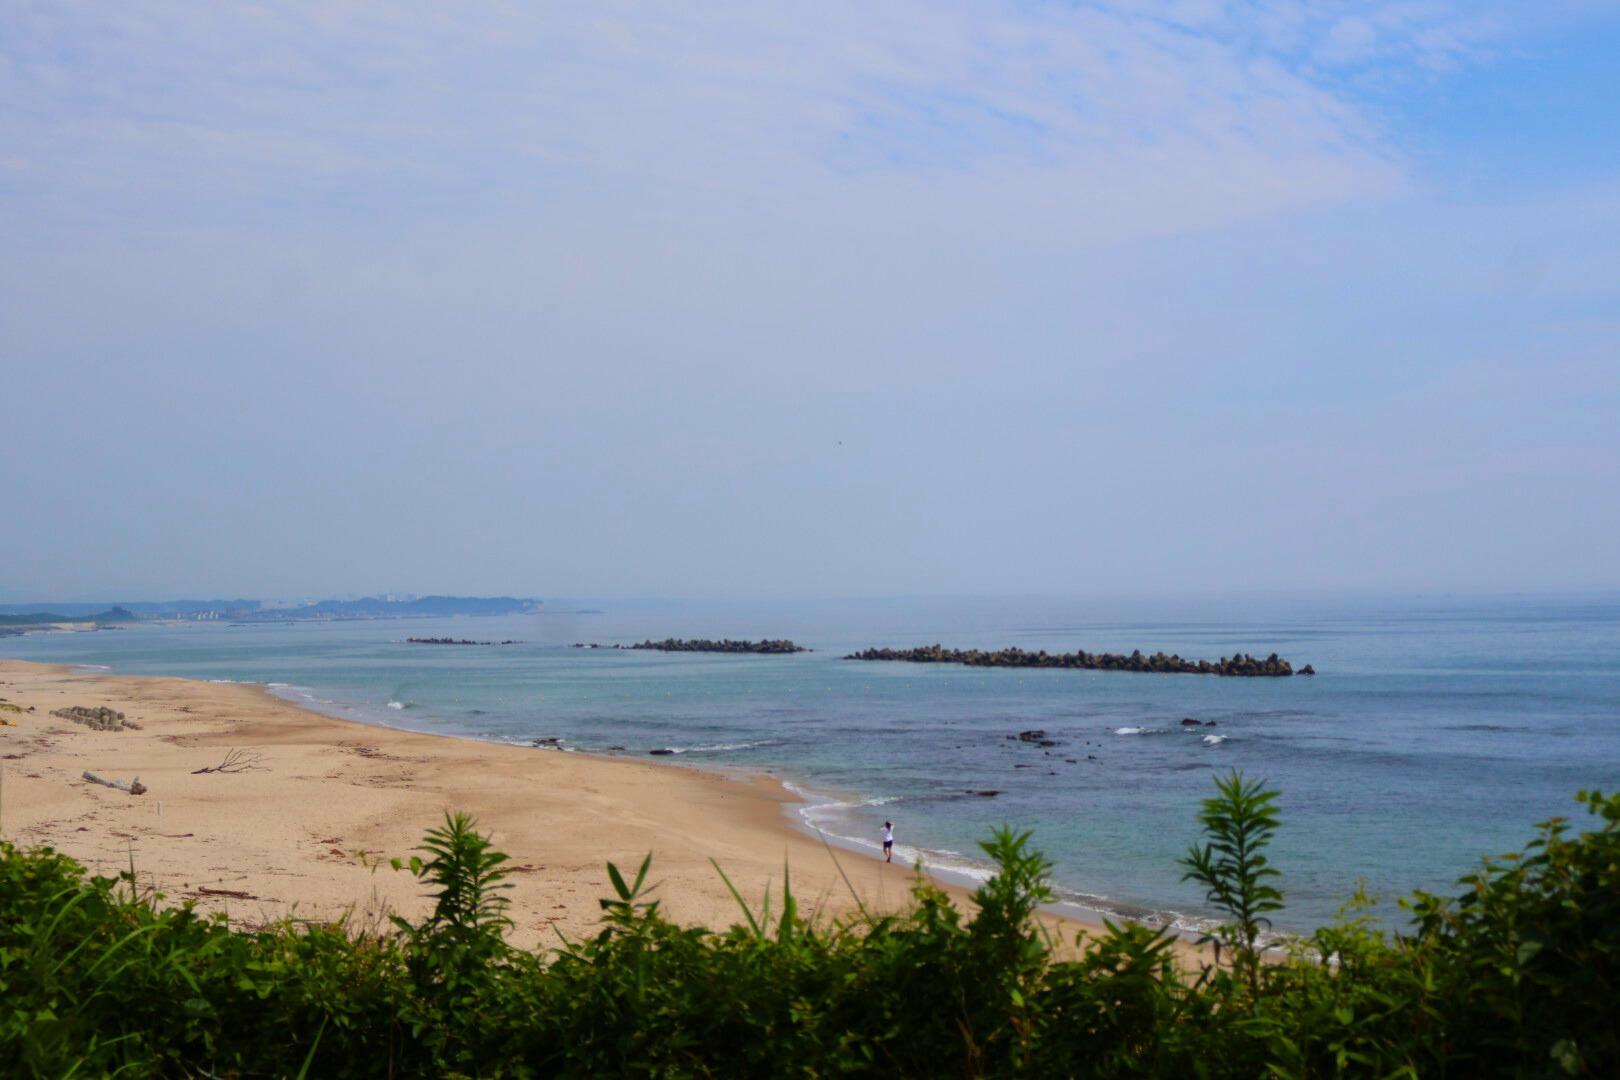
{"x": 1282, "y": 592}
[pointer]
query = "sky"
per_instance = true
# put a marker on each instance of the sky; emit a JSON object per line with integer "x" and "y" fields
{"x": 833, "y": 299}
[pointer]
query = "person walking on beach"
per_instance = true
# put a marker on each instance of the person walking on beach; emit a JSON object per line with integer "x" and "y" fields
{"x": 888, "y": 841}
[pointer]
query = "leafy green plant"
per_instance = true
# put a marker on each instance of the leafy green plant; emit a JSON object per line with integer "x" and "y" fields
{"x": 1239, "y": 823}
{"x": 1530, "y": 952}
{"x": 464, "y": 870}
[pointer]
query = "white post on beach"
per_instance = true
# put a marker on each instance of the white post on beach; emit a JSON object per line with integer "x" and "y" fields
{"x": 160, "y": 808}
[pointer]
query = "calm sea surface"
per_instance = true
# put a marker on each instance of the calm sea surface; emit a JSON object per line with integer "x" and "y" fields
{"x": 1438, "y": 729}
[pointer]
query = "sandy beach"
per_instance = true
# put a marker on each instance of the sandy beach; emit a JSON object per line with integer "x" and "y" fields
{"x": 307, "y": 831}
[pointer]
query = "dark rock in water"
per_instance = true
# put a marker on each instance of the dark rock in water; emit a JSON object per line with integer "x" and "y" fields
{"x": 1032, "y": 735}
{"x": 455, "y": 641}
{"x": 987, "y": 793}
{"x": 1238, "y": 665}
{"x": 1307, "y": 670}
{"x": 777, "y": 645}
{"x": 1209, "y": 723}
{"x": 551, "y": 741}
{"x": 660, "y": 751}
{"x": 1187, "y": 721}
{"x": 1024, "y": 766}
{"x": 1071, "y": 761}
{"x": 615, "y": 748}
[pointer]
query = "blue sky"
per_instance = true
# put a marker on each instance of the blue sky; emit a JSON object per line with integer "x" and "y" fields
{"x": 828, "y": 299}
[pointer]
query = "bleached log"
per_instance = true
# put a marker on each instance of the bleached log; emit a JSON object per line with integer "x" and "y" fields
{"x": 134, "y": 787}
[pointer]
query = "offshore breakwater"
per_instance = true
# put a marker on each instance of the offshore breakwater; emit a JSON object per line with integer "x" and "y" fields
{"x": 1240, "y": 665}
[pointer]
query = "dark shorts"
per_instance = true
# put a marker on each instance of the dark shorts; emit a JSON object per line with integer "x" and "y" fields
{"x": 887, "y": 844}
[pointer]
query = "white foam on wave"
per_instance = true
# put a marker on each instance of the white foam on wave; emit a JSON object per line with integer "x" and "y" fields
{"x": 398, "y": 705}
{"x": 818, "y": 812}
{"x": 818, "y": 809}
{"x": 518, "y": 740}
{"x": 1214, "y": 740}
{"x": 718, "y": 748}
{"x": 1133, "y": 731}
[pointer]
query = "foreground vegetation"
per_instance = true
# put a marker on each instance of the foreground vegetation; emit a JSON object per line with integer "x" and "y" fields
{"x": 1515, "y": 977}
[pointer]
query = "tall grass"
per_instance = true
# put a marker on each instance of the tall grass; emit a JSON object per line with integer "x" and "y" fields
{"x": 1516, "y": 976}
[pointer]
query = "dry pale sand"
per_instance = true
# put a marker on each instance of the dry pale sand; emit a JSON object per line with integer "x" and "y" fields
{"x": 302, "y": 833}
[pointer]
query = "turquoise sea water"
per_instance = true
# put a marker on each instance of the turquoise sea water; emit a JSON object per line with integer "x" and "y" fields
{"x": 1438, "y": 729}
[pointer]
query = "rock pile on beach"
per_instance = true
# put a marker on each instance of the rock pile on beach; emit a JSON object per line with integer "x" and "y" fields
{"x": 99, "y": 718}
{"x": 1239, "y": 665}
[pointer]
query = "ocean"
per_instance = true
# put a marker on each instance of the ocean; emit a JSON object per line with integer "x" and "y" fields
{"x": 1437, "y": 730}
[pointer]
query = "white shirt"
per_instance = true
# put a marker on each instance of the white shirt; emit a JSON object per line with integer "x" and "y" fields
{"x": 888, "y": 835}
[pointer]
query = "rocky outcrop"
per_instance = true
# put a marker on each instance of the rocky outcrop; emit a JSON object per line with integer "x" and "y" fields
{"x": 1239, "y": 665}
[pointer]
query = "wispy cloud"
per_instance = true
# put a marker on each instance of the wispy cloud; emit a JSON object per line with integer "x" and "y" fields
{"x": 200, "y": 114}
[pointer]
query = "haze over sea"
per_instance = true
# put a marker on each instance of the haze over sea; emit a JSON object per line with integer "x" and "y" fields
{"x": 1437, "y": 730}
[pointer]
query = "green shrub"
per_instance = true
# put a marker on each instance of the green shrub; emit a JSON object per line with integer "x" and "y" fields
{"x": 1515, "y": 977}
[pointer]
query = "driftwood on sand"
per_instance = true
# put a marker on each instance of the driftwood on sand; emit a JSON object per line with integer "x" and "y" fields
{"x": 134, "y": 787}
{"x": 235, "y": 761}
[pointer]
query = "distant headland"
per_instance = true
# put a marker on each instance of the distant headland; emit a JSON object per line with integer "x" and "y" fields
{"x": 1241, "y": 665}
{"x": 24, "y": 617}
{"x": 773, "y": 646}
{"x": 17, "y": 623}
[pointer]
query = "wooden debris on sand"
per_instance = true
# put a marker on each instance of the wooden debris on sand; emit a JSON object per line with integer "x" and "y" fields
{"x": 134, "y": 787}
{"x": 235, "y": 761}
